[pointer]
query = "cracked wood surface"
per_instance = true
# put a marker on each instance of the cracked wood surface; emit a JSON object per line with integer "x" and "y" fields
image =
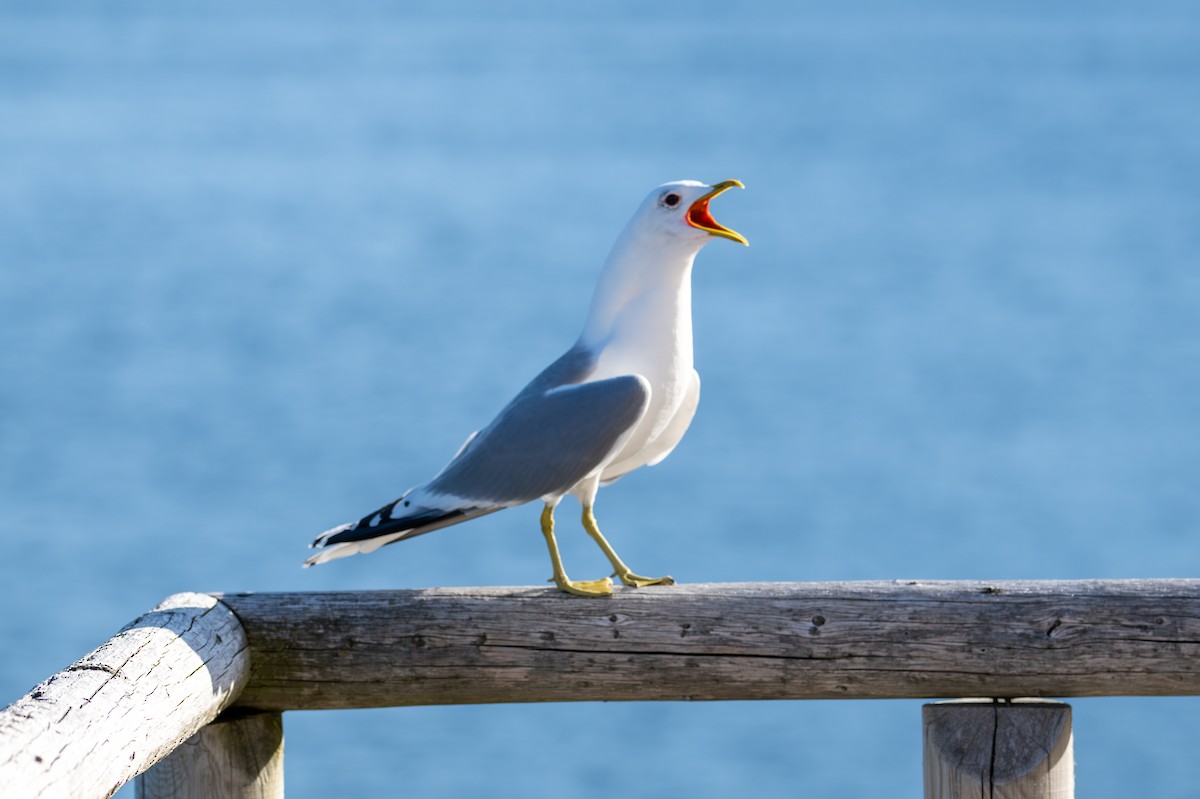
{"x": 976, "y": 749}
{"x": 899, "y": 639}
{"x": 95, "y": 725}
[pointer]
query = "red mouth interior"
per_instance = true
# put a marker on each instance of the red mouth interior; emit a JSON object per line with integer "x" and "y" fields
{"x": 698, "y": 215}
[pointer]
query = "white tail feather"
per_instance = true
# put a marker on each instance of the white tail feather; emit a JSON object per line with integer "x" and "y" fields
{"x": 335, "y": 551}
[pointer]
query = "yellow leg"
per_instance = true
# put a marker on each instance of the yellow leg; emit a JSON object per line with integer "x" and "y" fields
{"x": 577, "y": 587}
{"x": 621, "y": 571}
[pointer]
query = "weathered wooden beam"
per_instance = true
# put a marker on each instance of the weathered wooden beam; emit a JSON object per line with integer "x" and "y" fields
{"x": 235, "y": 757}
{"x": 981, "y": 749}
{"x": 726, "y": 641}
{"x": 91, "y": 728}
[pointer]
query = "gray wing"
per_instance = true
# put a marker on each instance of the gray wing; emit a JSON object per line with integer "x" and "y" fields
{"x": 544, "y": 443}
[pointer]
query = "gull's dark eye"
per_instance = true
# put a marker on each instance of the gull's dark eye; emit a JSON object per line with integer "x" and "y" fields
{"x": 671, "y": 200}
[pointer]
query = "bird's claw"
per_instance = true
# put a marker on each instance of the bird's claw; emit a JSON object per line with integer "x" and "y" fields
{"x": 637, "y": 581}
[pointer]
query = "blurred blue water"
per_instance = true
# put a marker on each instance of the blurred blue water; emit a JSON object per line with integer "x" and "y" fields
{"x": 263, "y": 266}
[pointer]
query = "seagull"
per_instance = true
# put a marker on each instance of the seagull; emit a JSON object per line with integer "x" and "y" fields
{"x": 619, "y": 399}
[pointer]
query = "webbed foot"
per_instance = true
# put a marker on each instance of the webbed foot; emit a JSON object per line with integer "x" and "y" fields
{"x": 638, "y": 581}
{"x": 602, "y": 587}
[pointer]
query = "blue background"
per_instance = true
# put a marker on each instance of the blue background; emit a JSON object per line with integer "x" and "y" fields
{"x": 265, "y": 266}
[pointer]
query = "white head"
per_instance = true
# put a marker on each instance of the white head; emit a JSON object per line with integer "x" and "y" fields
{"x": 679, "y": 212}
{"x": 653, "y": 258}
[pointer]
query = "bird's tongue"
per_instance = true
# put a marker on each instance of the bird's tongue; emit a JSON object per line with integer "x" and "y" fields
{"x": 699, "y": 216}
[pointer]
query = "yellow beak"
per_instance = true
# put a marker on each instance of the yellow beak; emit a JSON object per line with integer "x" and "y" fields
{"x": 699, "y": 217}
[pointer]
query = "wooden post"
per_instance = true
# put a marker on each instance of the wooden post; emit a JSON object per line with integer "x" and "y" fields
{"x": 89, "y": 729}
{"x": 237, "y": 757}
{"x": 997, "y": 749}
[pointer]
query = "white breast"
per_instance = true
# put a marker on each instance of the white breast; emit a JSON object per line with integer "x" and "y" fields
{"x": 652, "y": 337}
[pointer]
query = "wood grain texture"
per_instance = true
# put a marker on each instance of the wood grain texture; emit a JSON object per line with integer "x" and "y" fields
{"x": 235, "y": 757}
{"x": 991, "y": 750}
{"x": 92, "y": 727}
{"x": 723, "y": 641}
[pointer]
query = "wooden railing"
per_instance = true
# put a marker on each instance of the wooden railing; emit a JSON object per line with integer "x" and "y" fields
{"x": 198, "y": 684}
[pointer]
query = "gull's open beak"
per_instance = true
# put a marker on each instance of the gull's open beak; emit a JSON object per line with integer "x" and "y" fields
{"x": 699, "y": 217}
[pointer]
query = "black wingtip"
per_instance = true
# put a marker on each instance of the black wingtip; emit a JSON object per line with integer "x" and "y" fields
{"x": 363, "y": 530}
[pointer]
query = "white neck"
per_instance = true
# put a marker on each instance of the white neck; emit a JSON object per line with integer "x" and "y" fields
{"x": 645, "y": 289}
